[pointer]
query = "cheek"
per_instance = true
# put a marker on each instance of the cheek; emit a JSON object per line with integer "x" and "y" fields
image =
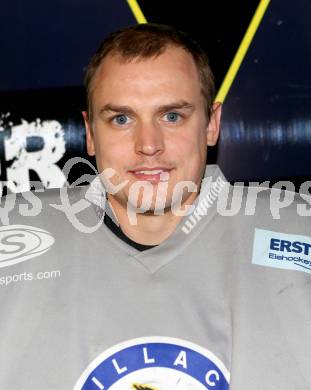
{"x": 189, "y": 148}
{"x": 109, "y": 152}
{"x": 192, "y": 153}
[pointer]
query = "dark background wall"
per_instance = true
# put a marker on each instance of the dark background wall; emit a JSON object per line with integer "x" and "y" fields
{"x": 267, "y": 124}
{"x": 45, "y": 47}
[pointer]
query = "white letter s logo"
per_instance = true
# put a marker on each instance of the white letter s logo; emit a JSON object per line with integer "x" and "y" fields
{"x": 21, "y": 242}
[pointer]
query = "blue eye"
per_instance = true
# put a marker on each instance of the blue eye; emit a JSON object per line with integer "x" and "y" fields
{"x": 173, "y": 116}
{"x": 121, "y": 119}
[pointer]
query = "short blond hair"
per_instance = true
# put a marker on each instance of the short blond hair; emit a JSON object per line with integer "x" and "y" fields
{"x": 146, "y": 41}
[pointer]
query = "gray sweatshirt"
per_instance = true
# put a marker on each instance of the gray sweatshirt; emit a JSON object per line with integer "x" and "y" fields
{"x": 224, "y": 300}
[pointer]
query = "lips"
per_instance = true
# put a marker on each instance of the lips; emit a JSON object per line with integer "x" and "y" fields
{"x": 153, "y": 175}
{"x": 150, "y": 172}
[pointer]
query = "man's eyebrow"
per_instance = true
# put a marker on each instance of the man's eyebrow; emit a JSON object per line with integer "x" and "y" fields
{"x": 115, "y": 108}
{"x": 163, "y": 108}
{"x": 175, "y": 106}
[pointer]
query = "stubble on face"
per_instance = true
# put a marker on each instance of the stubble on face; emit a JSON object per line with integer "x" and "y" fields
{"x": 143, "y": 86}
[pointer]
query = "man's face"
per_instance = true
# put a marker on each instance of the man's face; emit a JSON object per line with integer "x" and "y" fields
{"x": 149, "y": 117}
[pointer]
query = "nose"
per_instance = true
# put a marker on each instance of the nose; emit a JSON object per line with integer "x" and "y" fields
{"x": 149, "y": 139}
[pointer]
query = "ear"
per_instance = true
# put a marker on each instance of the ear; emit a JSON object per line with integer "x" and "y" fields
{"x": 89, "y": 135}
{"x": 214, "y": 125}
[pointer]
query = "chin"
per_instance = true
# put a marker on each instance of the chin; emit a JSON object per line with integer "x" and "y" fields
{"x": 152, "y": 210}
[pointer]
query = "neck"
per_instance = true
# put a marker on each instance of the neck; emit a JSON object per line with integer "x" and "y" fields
{"x": 149, "y": 229}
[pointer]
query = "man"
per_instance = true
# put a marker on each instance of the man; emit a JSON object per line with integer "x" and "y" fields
{"x": 174, "y": 290}
{"x": 153, "y": 103}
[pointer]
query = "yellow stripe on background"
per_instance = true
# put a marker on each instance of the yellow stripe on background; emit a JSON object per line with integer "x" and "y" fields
{"x": 139, "y": 16}
{"x": 240, "y": 54}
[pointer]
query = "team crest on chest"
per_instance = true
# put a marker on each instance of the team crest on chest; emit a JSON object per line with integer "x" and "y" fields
{"x": 155, "y": 363}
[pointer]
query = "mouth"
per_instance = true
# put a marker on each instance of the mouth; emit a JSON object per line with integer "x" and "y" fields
{"x": 152, "y": 175}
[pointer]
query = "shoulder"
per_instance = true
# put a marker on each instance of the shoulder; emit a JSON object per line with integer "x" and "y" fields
{"x": 276, "y": 224}
{"x": 265, "y": 203}
{"x": 249, "y": 210}
{"x": 39, "y": 204}
{"x": 279, "y": 206}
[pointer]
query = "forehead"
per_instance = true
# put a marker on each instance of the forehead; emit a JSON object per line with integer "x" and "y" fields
{"x": 173, "y": 71}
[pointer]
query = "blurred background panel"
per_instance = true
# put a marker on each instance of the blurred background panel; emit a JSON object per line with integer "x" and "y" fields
{"x": 48, "y": 44}
{"x": 45, "y": 47}
{"x": 266, "y": 128}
